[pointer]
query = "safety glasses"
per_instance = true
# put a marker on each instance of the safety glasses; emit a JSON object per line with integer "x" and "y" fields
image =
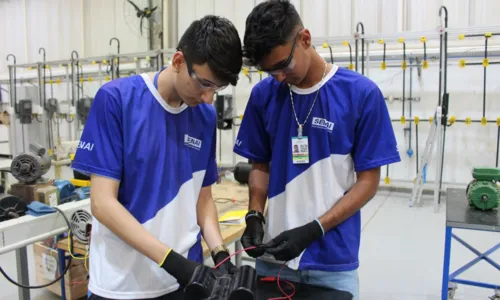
{"x": 203, "y": 83}
{"x": 287, "y": 65}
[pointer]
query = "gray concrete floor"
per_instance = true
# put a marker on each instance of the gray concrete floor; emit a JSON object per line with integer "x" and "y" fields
{"x": 401, "y": 254}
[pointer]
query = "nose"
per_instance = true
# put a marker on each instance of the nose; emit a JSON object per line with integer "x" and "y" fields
{"x": 207, "y": 96}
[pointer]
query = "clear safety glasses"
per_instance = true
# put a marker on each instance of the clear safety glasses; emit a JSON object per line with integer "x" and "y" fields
{"x": 287, "y": 65}
{"x": 203, "y": 83}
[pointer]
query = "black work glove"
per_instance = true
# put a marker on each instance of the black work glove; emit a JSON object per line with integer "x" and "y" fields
{"x": 253, "y": 235}
{"x": 179, "y": 267}
{"x": 227, "y": 266}
{"x": 289, "y": 244}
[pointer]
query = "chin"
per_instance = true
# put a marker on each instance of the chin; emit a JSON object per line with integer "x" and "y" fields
{"x": 192, "y": 103}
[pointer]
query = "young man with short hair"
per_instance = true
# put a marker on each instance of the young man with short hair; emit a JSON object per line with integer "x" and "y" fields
{"x": 317, "y": 135}
{"x": 152, "y": 163}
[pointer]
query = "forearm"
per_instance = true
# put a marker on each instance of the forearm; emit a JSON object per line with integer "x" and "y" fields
{"x": 118, "y": 220}
{"x": 362, "y": 191}
{"x": 258, "y": 183}
{"x": 209, "y": 222}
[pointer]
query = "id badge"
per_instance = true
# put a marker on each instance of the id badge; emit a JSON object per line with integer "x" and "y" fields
{"x": 300, "y": 150}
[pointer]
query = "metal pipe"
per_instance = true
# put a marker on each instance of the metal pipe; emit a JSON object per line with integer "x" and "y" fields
{"x": 383, "y": 56}
{"x": 331, "y": 53}
{"x": 498, "y": 145}
{"x": 42, "y": 51}
{"x": 404, "y": 77}
{"x": 44, "y": 75}
{"x": 32, "y": 240}
{"x": 13, "y": 93}
{"x": 445, "y": 92}
{"x": 117, "y": 59}
{"x": 484, "y": 75}
{"x": 416, "y": 146}
{"x": 74, "y": 57}
{"x": 362, "y": 47}
{"x": 411, "y": 106}
{"x": 479, "y": 34}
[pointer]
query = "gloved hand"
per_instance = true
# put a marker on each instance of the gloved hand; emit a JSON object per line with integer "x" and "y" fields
{"x": 227, "y": 266}
{"x": 289, "y": 244}
{"x": 179, "y": 267}
{"x": 253, "y": 235}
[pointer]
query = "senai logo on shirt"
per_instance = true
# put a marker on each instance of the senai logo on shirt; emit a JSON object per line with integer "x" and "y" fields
{"x": 322, "y": 123}
{"x": 192, "y": 142}
{"x": 85, "y": 146}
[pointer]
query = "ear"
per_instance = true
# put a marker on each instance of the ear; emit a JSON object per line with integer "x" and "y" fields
{"x": 305, "y": 38}
{"x": 178, "y": 61}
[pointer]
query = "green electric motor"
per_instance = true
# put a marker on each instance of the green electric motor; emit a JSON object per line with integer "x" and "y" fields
{"x": 483, "y": 191}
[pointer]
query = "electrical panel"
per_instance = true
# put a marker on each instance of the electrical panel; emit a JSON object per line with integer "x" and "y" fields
{"x": 83, "y": 108}
{"x": 224, "y": 106}
{"x": 25, "y": 111}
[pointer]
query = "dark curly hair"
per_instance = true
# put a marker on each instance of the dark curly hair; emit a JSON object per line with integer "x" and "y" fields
{"x": 214, "y": 40}
{"x": 270, "y": 24}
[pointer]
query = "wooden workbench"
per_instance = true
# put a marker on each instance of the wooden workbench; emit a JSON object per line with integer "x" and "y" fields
{"x": 227, "y": 196}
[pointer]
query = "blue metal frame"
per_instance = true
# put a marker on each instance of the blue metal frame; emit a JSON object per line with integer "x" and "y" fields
{"x": 453, "y": 276}
{"x": 62, "y": 264}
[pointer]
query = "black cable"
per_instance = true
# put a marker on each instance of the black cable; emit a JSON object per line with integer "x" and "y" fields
{"x": 53, "y": 281}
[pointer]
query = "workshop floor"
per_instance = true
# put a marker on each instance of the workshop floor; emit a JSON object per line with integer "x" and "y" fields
{"x": 401, "y": 254}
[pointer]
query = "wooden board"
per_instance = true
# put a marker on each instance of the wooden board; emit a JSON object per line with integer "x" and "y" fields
{"x": 227, "y": 196}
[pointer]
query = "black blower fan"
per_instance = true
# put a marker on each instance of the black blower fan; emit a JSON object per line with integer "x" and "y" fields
{"x": 11, "y": 207}
{"x": 29, "y": 167}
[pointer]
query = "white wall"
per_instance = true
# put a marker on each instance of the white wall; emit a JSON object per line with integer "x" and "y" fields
{"x": 87, "y": 25}
{"x": 61, "y": 26}
{"x": 466, "y": 146}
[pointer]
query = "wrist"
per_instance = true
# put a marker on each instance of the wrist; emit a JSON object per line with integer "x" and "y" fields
{"x": 320, "y": 226}
{"x": 167, "y": 253}
{"x": 253, "y": 214}
{"x": 221, "y": 249}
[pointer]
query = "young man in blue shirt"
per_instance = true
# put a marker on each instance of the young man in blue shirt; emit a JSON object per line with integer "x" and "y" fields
{"x": 149, "y": 147}
{"x": 317, "y": 135}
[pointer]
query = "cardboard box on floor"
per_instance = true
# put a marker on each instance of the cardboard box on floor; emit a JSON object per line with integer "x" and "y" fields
{"x": 46, "y": 266}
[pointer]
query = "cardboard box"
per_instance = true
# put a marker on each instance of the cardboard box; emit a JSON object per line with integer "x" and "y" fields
{"x": 46, "y": 266}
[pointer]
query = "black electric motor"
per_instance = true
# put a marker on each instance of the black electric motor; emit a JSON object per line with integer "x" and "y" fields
{"x": 11, "y": 207}
{"x": 30, "y": 166}
{"x": 211, "y": 284}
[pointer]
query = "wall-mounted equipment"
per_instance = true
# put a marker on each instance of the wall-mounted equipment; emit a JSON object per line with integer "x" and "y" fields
{"x": 25, "y": 111}
{"x": 83, "y": 108}
{"x": 224, "y": 106}
{"x": 51, "y": 106}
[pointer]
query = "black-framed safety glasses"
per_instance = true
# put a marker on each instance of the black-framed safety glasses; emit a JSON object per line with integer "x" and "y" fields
{"x": 204, "y": 84}
{"x": 287, "y": 65}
